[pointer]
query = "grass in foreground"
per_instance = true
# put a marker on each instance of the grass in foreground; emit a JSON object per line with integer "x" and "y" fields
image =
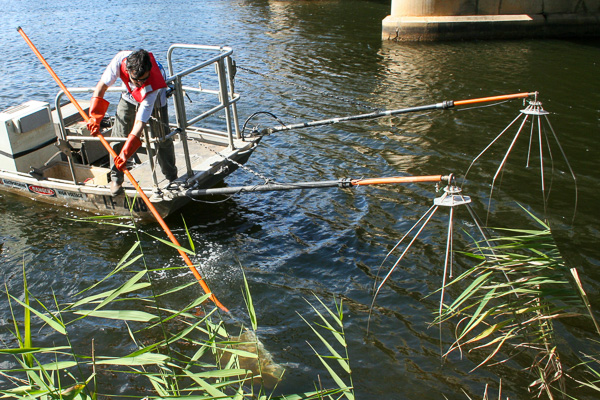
{"x": 174, "y": 353}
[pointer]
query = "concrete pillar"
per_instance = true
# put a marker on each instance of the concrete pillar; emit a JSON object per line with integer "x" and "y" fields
{"x": 412, "y": 20}
{"x": 433, "y": 7}
{"x": 412, "y": 7}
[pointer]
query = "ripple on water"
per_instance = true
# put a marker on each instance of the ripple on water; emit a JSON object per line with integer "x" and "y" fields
{"x": 328, "y": 242}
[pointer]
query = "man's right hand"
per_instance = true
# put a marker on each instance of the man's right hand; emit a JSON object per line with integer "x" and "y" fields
{"x": 129, "y": 148}
{"x": 98, "y": 107}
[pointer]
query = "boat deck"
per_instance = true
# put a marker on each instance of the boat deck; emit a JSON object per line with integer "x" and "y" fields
{"x": 199, "y": 154}
{"x": 207, "y": 152}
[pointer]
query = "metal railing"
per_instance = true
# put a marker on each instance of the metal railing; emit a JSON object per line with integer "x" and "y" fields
{"x": 225, "y": 95}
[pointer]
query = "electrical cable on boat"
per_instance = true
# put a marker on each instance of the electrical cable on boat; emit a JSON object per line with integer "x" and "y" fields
{"x": 143, "y": 195}
{"x": 255, "y": 114}
{"x": 237, "y": 164}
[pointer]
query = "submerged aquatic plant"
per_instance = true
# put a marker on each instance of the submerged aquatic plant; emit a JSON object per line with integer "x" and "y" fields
{"x": 511, "y": 299}
{"x": 187, "y": 352}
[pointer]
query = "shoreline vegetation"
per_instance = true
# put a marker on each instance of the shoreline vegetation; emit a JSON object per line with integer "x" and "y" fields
{"x": 505, "y": 308}
{"x": 194, "y": 352}
{"x": 502, "y": 310}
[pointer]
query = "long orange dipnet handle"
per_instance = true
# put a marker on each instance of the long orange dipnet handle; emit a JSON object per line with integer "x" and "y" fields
{"x": 151, "y": 207}
{"x": 494, "y": 98}
{"x": 397, "y": 179}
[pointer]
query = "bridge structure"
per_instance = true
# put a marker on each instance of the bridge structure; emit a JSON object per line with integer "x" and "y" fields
{"x": 431, "y": 20}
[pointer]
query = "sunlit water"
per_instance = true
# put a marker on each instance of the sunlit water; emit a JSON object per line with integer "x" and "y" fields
{"x": 306, "y": 60}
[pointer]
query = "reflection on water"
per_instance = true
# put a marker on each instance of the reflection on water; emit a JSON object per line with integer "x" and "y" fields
{"x": 320, "y": 60}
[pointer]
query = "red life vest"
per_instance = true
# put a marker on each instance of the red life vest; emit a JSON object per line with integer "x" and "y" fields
{"x": 155, "y": 80}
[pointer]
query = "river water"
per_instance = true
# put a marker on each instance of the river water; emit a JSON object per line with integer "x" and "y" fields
{"x": 308, "y": 60}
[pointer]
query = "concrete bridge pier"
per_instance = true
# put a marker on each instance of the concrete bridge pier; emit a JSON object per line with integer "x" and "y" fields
{"x": 428, "y": 20}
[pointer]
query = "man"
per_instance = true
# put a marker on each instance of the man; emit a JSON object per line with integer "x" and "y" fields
{"x": 144, "y": 79}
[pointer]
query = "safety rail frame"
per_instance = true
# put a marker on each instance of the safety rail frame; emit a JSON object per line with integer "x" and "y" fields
{"x": 227, "y": 99}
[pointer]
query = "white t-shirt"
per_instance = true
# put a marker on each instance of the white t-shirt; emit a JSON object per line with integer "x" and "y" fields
{"x": 113, "y": 71}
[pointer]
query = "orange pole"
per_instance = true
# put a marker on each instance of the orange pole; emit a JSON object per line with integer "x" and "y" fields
{"x": 494, "y": 98}
{"x": 151, "y": 207}
{"x": 396, "y": 179}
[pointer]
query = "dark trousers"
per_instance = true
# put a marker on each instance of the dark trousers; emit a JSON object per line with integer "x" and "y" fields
{"x": 159, "y": 123}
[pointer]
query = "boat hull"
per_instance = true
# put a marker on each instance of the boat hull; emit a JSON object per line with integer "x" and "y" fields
{"x": 96, "y": 198}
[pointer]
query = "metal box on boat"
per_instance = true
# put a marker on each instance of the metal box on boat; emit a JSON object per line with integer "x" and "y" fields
{"x": 27, "y": 136}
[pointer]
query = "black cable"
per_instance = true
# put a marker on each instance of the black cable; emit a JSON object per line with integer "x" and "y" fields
{"x": 258, "y": 113}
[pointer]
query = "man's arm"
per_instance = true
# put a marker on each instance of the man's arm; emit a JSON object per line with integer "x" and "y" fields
{"x": 101, "y": 88}
{"x": 138, "y": 128}
{"x": 144, "y": 112}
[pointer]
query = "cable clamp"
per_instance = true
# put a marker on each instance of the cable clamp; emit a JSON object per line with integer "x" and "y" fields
{"x": 345, "y": 182}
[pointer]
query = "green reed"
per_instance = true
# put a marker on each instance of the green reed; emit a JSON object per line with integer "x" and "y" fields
{"x": 506, "y": 305}
{"x": 188, "y": 352}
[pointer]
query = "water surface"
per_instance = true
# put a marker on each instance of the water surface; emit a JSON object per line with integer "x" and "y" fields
{"x": 306, "y": 60}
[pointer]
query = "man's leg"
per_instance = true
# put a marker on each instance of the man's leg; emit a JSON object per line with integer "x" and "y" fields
{"x": 159, "y": 127}
{"x": 123, "y": 125}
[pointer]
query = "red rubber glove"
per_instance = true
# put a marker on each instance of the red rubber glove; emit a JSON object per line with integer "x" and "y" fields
{"x": 98, "y": 107}
{"x": 131, "y": 145}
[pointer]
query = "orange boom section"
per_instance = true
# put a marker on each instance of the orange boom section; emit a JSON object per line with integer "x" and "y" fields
{"x": 151, "y": 207}
{"x": 494, "y": 98}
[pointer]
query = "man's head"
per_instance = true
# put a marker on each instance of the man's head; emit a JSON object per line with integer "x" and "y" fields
{"x": 139, "y": 65}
